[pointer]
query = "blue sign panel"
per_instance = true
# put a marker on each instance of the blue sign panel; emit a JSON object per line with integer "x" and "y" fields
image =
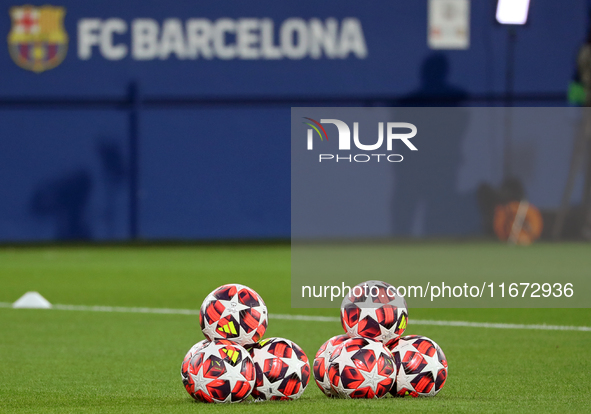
{"x": 267, "y": 48}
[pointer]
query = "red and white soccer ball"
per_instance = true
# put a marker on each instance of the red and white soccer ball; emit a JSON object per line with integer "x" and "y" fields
{"x": 185, "y": 365}
{"x": 320, "y": 368}
{"x": 361, "y": 368}
{"x": 234, "y": 312}
{"x": 282, "y": 369}
{"x": 374, "y": 310}
{"x": 221, "y": 371}
{"x": 422, "y": 367}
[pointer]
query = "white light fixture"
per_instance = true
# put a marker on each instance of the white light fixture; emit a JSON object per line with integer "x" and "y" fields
{"x": 512, "y": 11}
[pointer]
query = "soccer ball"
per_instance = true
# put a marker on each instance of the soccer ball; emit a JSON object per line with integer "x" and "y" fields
{"x": 320, "y": 368}
{"x": 422, "y": 367}
{"x": 185, "y": 365}
{"x": 221, "y": 371}
{"x": 361, "y": 368}
{"x": 234, "y": 312}
{"x": 282, "y": 369}
{"x": 374, "y": 310}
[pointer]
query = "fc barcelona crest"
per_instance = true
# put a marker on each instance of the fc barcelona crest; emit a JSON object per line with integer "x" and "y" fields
{"x": 37, "y": 40}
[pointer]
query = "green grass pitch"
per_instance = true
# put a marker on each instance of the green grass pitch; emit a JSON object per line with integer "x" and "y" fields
{"x": 54, "y": 361}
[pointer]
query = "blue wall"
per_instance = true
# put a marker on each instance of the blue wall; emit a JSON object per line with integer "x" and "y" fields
{"x": 213, "y": 144}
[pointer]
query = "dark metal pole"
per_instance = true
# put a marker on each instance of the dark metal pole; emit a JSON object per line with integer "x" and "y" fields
{"x": 509, "y": 81}
{"x": 134, "y": 110}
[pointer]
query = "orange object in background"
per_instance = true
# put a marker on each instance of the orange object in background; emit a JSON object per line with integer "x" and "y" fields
{"x": 518, "y": 222}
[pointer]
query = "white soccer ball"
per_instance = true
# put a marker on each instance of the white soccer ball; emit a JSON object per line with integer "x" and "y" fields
{"x": 282, "y": 369}
{"x": 185, "y": 365}
{"x": 234, "y": 312}
{"x": 320, "y": 368}
{"x": 422, "y": 367}
{"x": 361, "y": 368}
{"x": 221, "y": 371}
{"x": 374, "y": 310}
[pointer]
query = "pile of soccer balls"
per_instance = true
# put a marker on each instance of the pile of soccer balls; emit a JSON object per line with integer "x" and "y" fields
{"x": 372, "y": 358}
{"x": 233, "y": 362}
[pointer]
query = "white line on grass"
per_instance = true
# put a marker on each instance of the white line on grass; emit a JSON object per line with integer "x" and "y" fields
{"x": 122, "y": 309}
{"x": 499, "y": 325}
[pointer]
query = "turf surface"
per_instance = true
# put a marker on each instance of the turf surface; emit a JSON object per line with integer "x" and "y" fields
{"x": 75, "y": 362}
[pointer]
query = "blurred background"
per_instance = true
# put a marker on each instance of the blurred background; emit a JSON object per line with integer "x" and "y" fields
{"x": 171, "y": 121}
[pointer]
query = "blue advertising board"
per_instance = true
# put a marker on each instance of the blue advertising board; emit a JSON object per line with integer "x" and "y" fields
{"x": 267, "y": 48}
{"x": 170, "y": 120}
